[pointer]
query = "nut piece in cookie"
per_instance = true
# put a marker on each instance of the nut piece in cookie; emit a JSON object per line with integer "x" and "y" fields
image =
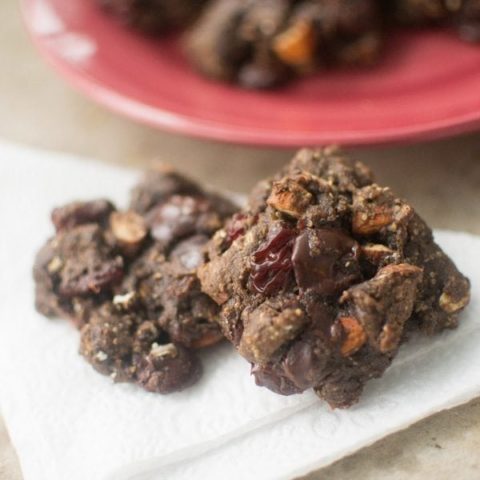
{"x": 129, "y": 230}
{"x": 324, "y": 275}
{"x": 383, "y": 304}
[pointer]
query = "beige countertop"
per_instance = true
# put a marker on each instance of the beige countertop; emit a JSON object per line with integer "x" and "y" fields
{"x": 442, "y": 179}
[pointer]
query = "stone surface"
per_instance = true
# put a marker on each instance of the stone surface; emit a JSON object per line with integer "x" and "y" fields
{"x": 441, "y": 178}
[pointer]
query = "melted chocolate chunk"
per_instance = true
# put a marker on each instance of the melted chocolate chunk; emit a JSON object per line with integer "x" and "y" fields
{"x": 325, "y": 261}
{"x": 305, "y": 364}
{"x": 182, "y": 216}
{"x": 173, "y": 218}
{"x": 274, "y": 379}
{"x": 322, "y": 314}
{"x": 189, "y": 253}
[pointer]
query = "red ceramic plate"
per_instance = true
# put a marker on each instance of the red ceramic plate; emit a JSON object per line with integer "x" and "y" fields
{"x": 427, "y": 86}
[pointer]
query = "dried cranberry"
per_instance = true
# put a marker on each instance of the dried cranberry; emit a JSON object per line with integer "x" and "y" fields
{"x": 325, "y": 261}
{"x": 272, "y": 262}
{"x": 235, "y": 227}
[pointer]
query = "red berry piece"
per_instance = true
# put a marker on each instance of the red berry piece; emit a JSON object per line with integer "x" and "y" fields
{"x": 272, "y": 262}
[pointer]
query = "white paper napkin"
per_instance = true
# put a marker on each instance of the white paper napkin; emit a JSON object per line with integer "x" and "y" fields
{"x": 68, "y": 422}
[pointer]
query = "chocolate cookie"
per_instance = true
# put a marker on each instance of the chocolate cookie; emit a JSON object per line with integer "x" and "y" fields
{"x": 463, "y": 15}
{"x": 78, "y": 268}
{"x": 128, "y": 280}
{"x": 261, "y": 43}
{"x": 153, "y": 16}
{"x": 324, "y": 275}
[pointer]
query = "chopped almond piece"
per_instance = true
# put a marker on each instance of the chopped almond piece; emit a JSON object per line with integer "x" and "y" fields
{"x": 356, "y": 336}
{"x": 296, "y": 45}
